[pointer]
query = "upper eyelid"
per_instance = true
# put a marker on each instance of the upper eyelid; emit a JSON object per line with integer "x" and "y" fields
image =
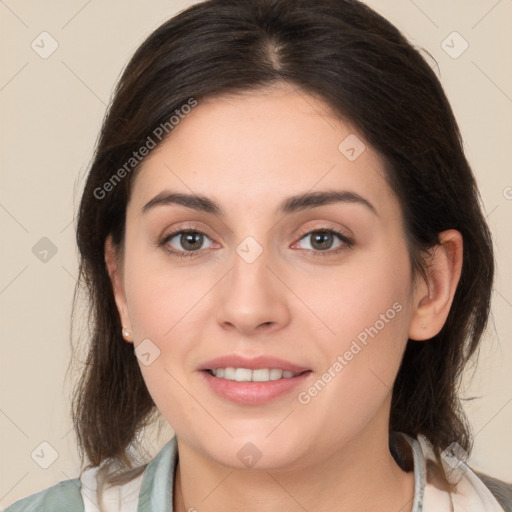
{"x": 335, "y": 226}
{"x": 326, "y": 227}
{"x": 300, "y": 232}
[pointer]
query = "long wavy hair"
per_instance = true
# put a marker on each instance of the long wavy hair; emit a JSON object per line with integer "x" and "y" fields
{"x": 358, "y": 63}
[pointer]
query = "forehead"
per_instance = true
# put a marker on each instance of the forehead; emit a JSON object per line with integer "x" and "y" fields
{"x": 259, "y": 147}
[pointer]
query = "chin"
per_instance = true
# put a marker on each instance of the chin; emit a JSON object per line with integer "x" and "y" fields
{"x": 257, "y": 452}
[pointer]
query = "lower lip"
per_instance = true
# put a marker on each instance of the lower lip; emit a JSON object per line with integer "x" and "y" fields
{"x": 254, "y": 393}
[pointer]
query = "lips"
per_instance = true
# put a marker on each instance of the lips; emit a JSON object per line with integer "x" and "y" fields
{"x": 252, "y": 363}
{"x": 288, "y": 376}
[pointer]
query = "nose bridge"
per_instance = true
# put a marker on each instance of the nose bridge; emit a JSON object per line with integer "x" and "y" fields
{"x": 251, "y": 277}
{"x": 251, "y": 294}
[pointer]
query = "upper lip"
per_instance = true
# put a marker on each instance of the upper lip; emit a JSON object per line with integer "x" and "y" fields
{"x": 252, "y": 363}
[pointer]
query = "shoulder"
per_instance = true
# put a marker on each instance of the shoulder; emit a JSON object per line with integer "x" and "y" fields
{"x": 474, "y": 490}
{"x": 501, "y": 490}
{"x": 147, "y": 489}
{"x": 482, "y": 492}
{"x": 79, "y": 495}
{"x": 64, "y": 496}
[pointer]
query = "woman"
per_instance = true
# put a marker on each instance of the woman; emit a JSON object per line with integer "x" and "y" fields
{"x": 286, "y": 257}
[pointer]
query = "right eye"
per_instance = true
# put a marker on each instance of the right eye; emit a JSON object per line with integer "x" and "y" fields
{"x": 190, "y": 240}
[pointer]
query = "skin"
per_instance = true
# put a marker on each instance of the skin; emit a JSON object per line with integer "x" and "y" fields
{"x": 249, "y": 152}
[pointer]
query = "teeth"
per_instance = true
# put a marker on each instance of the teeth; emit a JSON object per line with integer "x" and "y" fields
{"x": 243, "y": 375}
{"x": 275, "y": 374}
{"x": 248, "y": 375}
{"x": 229, "y": 373}
{"x": 260, "y": 375}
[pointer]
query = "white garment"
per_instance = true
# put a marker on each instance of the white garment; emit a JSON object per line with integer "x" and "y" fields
{"x": 152, "y": 490}
{"x": 121, "y": 498}
{"x": 471, "y": 494}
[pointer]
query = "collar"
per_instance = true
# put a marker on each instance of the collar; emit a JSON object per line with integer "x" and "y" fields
{"x": 156, "y": 491}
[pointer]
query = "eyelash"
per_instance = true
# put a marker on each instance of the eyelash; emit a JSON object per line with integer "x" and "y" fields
{"x": 347, "y": 242}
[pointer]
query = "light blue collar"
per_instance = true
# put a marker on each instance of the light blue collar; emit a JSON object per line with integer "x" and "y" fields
{"x": 158, "y": 480}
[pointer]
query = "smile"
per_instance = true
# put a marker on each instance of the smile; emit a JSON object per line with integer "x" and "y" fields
{"x": 248, "y": 375}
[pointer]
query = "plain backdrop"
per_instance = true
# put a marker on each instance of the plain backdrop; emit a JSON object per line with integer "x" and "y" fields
{"x": 52, "y": 107}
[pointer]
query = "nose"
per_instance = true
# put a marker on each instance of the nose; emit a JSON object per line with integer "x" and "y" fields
{"x": 253, "y": 298}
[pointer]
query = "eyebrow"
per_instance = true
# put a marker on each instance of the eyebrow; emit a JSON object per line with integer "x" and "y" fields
{"x": 290, "y": 205}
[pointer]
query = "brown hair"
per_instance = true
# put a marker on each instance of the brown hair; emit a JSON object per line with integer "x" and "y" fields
{"x": 349, "y": 56}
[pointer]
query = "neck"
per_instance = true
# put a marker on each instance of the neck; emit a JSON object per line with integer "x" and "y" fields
{"x": 360, "y": 476}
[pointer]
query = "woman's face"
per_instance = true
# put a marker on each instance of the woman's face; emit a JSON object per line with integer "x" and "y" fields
{"x": 267, "y": 276}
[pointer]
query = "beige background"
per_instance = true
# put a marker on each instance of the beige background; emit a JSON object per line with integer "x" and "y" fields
{"x": 51, "y": 111}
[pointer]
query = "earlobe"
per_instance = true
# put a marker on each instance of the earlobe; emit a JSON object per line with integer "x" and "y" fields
{"x": 114, "y": 271}
{"x": 433, "y": 299}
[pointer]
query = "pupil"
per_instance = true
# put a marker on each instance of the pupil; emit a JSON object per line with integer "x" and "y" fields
{"x": 321, "y": 238}
{"x": 189, "y": 241}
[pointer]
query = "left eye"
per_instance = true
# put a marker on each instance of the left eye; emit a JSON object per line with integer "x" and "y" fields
{"x": 322, "y": 240}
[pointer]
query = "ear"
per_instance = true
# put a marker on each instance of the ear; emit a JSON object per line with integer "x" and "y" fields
{"x": 112, "y": 260}
{"x": 433, "y": 300}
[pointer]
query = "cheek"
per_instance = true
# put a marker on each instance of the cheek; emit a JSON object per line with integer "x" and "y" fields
{"x": 365, "y": 315}
{"x": 365, "y": 299}
{"x": 161, "y": 306}
{"x": 159, "y": 296}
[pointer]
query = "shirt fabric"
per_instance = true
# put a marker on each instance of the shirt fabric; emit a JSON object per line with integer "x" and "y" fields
{"x": 152, "y": 490}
